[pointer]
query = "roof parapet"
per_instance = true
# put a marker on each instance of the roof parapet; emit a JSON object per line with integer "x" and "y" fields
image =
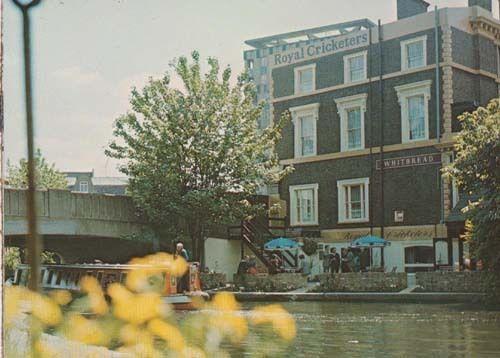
{"x": 309, "y": 34}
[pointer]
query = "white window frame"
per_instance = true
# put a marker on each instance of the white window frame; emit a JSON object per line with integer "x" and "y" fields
{"x": 80, "y": 184}
{"x": 343, "y": 106}
{"x": 404, "y": 53}
{"x": 341, "y": 185}
{"x": 455, "y": 194}
{"x": 294, "y": 221}
{"x": 410, "y": 90}
{"x": 347, "y": 69}
{"x": 301, "y": 111}
{"x": 296, "y": 81}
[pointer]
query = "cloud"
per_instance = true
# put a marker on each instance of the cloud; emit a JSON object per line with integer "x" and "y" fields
{"x": 77, "y": 75}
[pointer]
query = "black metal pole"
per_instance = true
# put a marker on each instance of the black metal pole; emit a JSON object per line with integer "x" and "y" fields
{"x": 33, "y": 240}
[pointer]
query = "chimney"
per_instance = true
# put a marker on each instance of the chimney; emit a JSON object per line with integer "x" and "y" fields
{"x": 485, "y": 4}
{"x": 409, "y": 8}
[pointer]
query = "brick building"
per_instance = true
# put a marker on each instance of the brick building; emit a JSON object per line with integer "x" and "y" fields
{"x": 374, "y": 113}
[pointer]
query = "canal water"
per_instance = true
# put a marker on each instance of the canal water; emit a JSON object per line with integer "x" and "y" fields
{"x": 334, "y": 329}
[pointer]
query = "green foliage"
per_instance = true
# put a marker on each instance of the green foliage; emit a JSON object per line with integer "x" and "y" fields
{"x": 47, "y": 176}
{"x": 13, "y": 258}
{"x": 194, "y": 156}
{"x": 477, "y": 172}
{"x": 310, "y": 246}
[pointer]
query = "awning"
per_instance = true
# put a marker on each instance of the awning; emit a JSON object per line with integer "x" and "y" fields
{"x": 370, "y": 241}
{"x": 281, "y": 243}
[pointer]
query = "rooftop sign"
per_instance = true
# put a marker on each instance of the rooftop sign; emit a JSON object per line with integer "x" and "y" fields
{"x": 324, "y": 47}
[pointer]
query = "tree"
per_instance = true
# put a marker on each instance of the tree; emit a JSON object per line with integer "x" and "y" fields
{"x": 476, "y": 170}
{"x": 194, "y": 156}
{"x": 47, "y": 176}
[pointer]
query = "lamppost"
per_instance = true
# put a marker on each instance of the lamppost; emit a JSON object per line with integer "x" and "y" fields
{"x": 33, "y": 240}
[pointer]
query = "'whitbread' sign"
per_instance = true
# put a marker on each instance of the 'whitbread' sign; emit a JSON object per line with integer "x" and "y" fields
{"x": 324, "y": 47}
{"x": 411, "y": 161}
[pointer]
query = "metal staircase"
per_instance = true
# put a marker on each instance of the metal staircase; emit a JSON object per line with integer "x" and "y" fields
{"x": 254, "y": 234}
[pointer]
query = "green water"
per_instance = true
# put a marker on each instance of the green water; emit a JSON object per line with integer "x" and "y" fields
{"x": 332, "y": 329}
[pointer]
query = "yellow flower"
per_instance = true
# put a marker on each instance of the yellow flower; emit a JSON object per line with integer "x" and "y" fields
{"x": 230, "y": 324}
{"x": 81, "y": 329}
{"x": 44, "y": 350}
{"x": 46, "y": 310}
{"x": 282, "y": 322}
{"x": 14, "y": 296}
{"x": 225, "y": 301}
{"x": 168, "y": 333}
{"x": 93, "y": 289}
{"x": 141, "y": 350}
{"x": 132, "y": 335}
{"x": 62, "y": 297}
{"x": 138, "y": 308}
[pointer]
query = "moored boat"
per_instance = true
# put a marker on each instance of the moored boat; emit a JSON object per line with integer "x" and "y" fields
{"x": 67, "y": 277}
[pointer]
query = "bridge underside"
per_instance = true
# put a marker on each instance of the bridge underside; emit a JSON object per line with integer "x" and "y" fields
{"x": 87, "y": 249}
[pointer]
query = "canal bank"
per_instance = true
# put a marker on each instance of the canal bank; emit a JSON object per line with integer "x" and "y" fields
{"x": 376, "y": 297}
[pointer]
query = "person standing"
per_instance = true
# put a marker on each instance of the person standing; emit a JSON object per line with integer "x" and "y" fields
{"x": 326, "y": 262}
{"x": 183, "y": 283}
{"x": 334, "y": 260}
{"x": 350, "y": 259}
{"x": 304, "y": 266}
{"x": 243, "y": 266}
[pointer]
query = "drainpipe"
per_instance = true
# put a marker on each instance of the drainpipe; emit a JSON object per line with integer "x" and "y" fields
{"x": 370, "y": 135}
{"x": 438, "y": 107}
{"x": 381, "y": 91}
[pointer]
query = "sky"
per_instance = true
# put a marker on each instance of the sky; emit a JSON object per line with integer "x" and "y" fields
{"x": 89, "y": 53}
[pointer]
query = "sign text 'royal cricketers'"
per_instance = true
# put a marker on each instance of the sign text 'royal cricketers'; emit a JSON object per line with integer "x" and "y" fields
{"x": 411, "y": 161}
{"x": 321, "y": 48}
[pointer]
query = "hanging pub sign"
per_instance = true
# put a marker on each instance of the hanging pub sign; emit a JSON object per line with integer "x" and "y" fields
{"x": 411, "y": 161}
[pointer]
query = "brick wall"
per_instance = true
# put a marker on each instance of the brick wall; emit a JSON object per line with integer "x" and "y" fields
{"x": 450, "y": 281}
{"x": 362, "y": 282}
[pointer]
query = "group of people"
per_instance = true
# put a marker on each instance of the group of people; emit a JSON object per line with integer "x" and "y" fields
{"x": 349, "y": 260}
{"x": 248, "y": 265}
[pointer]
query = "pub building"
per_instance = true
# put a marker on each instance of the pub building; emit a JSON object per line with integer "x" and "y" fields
{"x": 374, "y": 112}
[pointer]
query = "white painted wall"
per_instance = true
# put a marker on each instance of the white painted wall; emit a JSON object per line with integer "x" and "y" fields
{"x": 223, "y": 256}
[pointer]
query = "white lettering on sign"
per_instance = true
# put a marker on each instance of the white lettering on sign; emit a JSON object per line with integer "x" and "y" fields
{"x": 413, "y": 161}
{"x": 324, "y": 47}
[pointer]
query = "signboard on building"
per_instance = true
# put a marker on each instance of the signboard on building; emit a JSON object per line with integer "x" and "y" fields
{"x": 323, "y": 47}
{"x": 411, "y": 161}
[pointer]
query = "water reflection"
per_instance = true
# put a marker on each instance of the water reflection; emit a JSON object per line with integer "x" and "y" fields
{"x": 394, "y": 330}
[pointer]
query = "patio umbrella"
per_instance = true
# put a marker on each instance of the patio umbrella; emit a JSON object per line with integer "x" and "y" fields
{"x": 370, "y": 241}
{"x": 281, "y": 243}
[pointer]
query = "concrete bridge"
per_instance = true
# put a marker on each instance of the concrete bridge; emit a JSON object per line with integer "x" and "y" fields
{"x": 80, "y": 227}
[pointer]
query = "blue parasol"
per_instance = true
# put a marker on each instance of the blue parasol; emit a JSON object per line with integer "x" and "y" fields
{"x": 370, "y": 241}
{"x": 281, "y": 243}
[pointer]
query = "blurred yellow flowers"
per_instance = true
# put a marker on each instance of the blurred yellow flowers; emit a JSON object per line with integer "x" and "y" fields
{"x": 89, "y": 285}
{"x": 61, "y": 297}
{"x": 138, "y": 321}
{"x": 136, "y": 308}
{"x": 282, "y": 322}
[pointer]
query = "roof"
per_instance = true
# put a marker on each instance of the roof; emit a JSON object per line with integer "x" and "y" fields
{"x": 118, "y": 181}
{"x": 309, "y": 34}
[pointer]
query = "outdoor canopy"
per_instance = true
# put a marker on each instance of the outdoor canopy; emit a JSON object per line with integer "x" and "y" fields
{"x": 370, "y": 241}
{"x": 281, "y": 243}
